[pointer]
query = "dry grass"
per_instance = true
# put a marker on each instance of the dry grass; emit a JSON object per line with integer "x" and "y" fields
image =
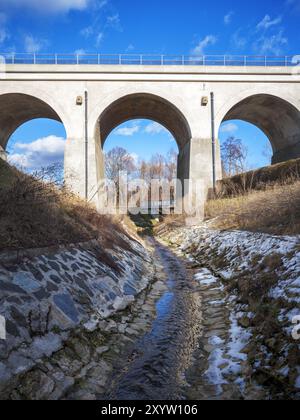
{"x": 169, "y": 222}
{"x": 285, "y": 173}
{"x": 275, "y": 210}
{"x": 37, "y": 214}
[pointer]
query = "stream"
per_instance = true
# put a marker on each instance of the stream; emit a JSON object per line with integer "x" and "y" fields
{"x": 164, "y": 353}
{"x": 193, "y": 350}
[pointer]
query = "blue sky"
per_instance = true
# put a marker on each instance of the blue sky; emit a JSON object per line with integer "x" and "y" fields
{"x": 132, "y": 26}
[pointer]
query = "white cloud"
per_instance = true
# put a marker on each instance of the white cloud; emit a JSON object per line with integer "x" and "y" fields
{"x": 80, "y": 51}
{"x": 53, "y": 6}
{"x": 203, "y": 44}
{"x": 90, "y": 31}
{"x": 154, "y": 128}
{"x": 238, "y": 40}
{"x": 99, "y": 39}
{"x": 273, "y": 44}
{"x": 4, "y": 35}
{"x": 130, "y": 47}
{"x": 41, "y": 152}
{"x": 19, "y": 160}
{"x": 114, "y": 21}
{"x": 228, "y": 18}
{"x": 268, "y": 22}
{"x": 34, "y": 45}
{"x": 273, "y": 40}
{"x": 127, "y": 131}
{"x": 87, "y": 32}
{"x": 229, "y": 128}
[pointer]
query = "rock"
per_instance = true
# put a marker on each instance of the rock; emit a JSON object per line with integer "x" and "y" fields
{"x": 37, "y": 386}
{"x": 12, "y": 329}
{"x": 18, "y": 363}
{"x": 45, "y": 346}
{"x": 271, "y": 343}
{"x": 65, "y": 303}
{"x": 82, "y": 350}
{"x": 67, "y": 365}
{"x": 293, "y": 375}
{"x": 121, "y": 303}
{"x": 83, "y": 395}
{"x": 102, "y": 350}
{"x": 247, "y": 349}
{"x": 244, "y": 322}
{"x": 91, "y": 325}
{"x": 111, "y": 326}
{"x": 131, "y": 331}
{"x": 26, "y": 281}
{"x": 10, "y": 287}
{"x": 122, "y": 328}
{"x": 5, "y": 375}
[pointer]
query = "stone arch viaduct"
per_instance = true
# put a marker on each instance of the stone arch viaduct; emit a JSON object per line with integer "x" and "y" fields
{"x": 92, "y": 100}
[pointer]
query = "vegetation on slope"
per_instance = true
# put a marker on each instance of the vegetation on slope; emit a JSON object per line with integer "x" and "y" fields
{"x": 260, "y": 179}
{"x": 264, "y": 200}
{"x": 275, "y": 210}
{"x": 35, "y": 214}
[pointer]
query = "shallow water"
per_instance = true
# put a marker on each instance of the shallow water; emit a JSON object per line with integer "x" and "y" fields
{"x": 190, "y": 351}
{"x": 164, "y": 353}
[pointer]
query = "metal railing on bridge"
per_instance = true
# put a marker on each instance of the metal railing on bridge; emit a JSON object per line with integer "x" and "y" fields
{"x": 151, "y": 60}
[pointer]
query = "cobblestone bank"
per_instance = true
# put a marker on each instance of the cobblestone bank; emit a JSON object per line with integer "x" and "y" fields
{"x": 55, "y": 305}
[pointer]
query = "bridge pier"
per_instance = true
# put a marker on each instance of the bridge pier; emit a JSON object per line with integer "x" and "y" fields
{"x": 75, "y": 164}
{"x": 201, "y": 161}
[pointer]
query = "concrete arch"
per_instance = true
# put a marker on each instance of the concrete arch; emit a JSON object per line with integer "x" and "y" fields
{"x": 18, "y": 106}
{"x": 16, "y": 109}
{"x": 137, "y": 89}
{"x": 144, "y": 106}
{"x": 118, "y": 108}
{"x": 278, "y": 118}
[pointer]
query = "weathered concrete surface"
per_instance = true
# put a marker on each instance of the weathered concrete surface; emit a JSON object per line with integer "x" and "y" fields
{"x": 51, "y": 299}
{"x": 171, "y": 95}
{"x": 263, "y": 111}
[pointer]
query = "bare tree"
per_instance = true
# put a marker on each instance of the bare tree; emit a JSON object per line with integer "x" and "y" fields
{"x": 118, "y": 160}
{"x": 157, "y": 167}
{"x": 53, "y": 174}
{"x": 234, "y": 157}
{"x": 171, "y": 165}
{"x": 160, "y": 168}
{"x": 144, "y": 171}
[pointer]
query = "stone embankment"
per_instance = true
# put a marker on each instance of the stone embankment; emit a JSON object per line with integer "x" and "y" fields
{"x": 214, "y": 309}
{"x": 58, "y": 306}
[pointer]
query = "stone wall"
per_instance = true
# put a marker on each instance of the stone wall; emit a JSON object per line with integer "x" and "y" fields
{"x": 54, "y": 297}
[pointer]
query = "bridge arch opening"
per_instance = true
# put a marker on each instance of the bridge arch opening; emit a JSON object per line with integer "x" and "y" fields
{"x": 32, "y": 134}
{"x": 148, "y": 107}
{"x": 151, "y": 113}
{"x": 244, "y": 147}
{"x": 145, "y": 106}
{"x": 278, "y": 119}
{"x": 146, "y": 151}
